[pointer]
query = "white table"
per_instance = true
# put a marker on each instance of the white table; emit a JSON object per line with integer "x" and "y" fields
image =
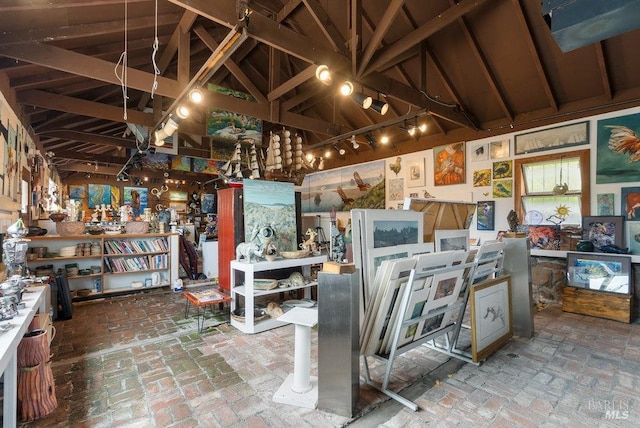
{"x": 299, "y": 388}
{"x": 34, "y": 300}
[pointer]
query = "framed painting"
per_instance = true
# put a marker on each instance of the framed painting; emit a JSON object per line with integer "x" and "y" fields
{"x": 396, "y": 189}
{"x": 605, "y": 203}
{"x": 77, "y": 191}
{"x": 499, "y": 149}
{"x": 447, "y": 240}
{"x": 630, "y": 203}
{"x": 491, "y": 323}
{"x": 178, "y": 196}
{"x": 449, "y": 164}
{"x": 99, "y": 194}
{"x": 478, "y": 151}
{"x": 544, "y": 237}
{"x": 270, "y": 204}
{"x": 559, "y": 137}
{"x": 415, "y": 175}
{"x": 486, "y": 215}
{"x": 503, "y": 169}
{"x": 610, "y": 273}
{"x": 613, "y": 162}
{"x": 633, "y": 236}
{"x": 603, "y": 230}
{"x": 502, "y": 188}
{"x": 482, "y": 177}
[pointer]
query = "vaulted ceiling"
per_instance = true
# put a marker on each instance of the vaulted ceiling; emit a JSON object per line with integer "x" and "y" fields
{"x": 470, "y": 70}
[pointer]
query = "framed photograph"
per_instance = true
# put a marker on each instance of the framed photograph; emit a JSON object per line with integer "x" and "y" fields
{"x": 603, "y": 230}
{"x": 491, "y": 323}
{"x": 552, "y": 138}
{"x": 633, "y": 236}
{"x": 605, "y": 203}
{"x": 486, "y": 213}
{"x": 630, "y": 201}
{"x": 415, "y": 174}
{"x": 544, "y": 237}
{"x": 449, "y": 164}
{"x": 482, "y": 177}
{"x": 602, "y": 272}
{"x": 613, "y": 160}
{"x": 446, "y": 240}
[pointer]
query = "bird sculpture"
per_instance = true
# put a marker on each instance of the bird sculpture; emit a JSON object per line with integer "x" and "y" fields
{"x": 623, "y": 140}
{"x": 396, "y": 167}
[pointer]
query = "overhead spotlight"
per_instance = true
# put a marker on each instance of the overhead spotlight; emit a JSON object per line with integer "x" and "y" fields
{"x": 87, "y": 175}
{"x": 412, "y": 130}
{"x": 166, "y": 131}
{"x": 182, "y": 112}
{"x": 196, "y": 96}
{"x": 354, "y": 143}
{"x": 379, "y": 107}
{"x": 321, "y": 164}
{"x": 370, "y": 140}
{"x": 327, "y": 153}
{"x": 342, "y": 151}
{"x": 384, "y": 139}
{"x": 346, "y": 88}
{"x": 309, "y": 157}
{"x": 363, "y": 100}
{"x": 422, "y": 127}
{"x": 323, "y": 74}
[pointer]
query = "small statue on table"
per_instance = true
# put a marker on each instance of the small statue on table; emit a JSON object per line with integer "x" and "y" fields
{"x": 512, "y": 219}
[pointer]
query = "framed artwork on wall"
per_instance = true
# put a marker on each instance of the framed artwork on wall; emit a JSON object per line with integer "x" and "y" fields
{"x": 552, "y": 138}
{"x": 491, "y": 323}
{"x": 633, "y": 236}
{"x": 499, "y": 149}
{"x": 605, "y": 203}
{"x": 630, "y": 201}
{"x": 449, "y": 164}
{"x": 603, "y": 230}
{"x": 614, "y": 159}
{"x": 502, "y": 169}
{"x": 502, "y": 188}
{"x": 486, "y": 215}
{"x": 611, "y": 273}
{"x": 415, "y": 174}
{"x": 479, "y": 151}
{"x": 482, "y": 177}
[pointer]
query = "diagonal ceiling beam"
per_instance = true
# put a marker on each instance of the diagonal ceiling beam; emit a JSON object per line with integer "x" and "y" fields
{"x": 292, "y": 83}
{"x": 423, "y": 32}
{"x": 379, "y": 33}
{"x": 273, "y": 34}
{"x": 326, "y": 25}
{"x": 104, "y": 140}
{"x": 87, "y": 66}
{"x": 604, "y": 72}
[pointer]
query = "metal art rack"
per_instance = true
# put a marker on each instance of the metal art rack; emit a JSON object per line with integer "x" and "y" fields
{"x": 487, "y": 263}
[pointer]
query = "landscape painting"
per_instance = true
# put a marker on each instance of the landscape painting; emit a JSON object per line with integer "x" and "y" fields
{"x": 271, "y": 204}
{"x": 343, "y": 189}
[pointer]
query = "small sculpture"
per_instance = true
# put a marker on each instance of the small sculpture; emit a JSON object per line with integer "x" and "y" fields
{"x": 512, "y": 219}
{"x": 310, "y": 244}
{"x": 339, "y": 248}
{"x": 249, "y": 251}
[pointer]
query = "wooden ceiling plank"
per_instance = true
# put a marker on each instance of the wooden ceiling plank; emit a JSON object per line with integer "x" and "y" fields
{"x": 83, "y": 107}
{"x": 287, "y": 9}
{"x": 184, "y": 56}
{"x": 535, "y": 55}
{"x": 87, "y": 66}
{"x": 355, "y": 33}
{"x": 90, "y": 138}
{"x": 49, "y": 34}
{"x": 486, "y": 70}
{"x": 423, "y": 32}
{"x": 20, "y": 5}
{"x": 604, "y": 72}
{"x": 327, "y": 26}
{"x": 231, "y": 65}
{"x": 378, "y": 35}
{"x": 292, "y": 83}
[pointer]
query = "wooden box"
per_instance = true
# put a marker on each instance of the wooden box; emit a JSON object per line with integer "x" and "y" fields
{"x": 333, "y": 267}
{"x": 611, "y": 306}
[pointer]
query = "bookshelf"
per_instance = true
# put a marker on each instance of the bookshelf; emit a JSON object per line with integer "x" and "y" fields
{"x": 125, "y": 263}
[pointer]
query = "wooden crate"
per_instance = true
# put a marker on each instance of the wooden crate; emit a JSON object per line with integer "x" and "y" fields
{"x": 611, "y": 306}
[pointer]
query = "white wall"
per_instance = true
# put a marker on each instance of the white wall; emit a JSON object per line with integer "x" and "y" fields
{"x": 467, "y": 193}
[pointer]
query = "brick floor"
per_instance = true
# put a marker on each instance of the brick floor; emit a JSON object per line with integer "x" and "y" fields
{"x": 136, "y": 362}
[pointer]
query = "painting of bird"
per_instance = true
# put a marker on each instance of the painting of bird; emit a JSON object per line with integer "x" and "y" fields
{"x": 624, "y": 141}
{"x": 362, "y": 186}
{"x": 502, "y": 188}
{"x": 396, "y": 167}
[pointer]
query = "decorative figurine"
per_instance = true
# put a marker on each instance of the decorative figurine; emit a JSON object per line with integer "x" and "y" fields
{"x": 310, "y": 244}
{"x": 512, "y": 219}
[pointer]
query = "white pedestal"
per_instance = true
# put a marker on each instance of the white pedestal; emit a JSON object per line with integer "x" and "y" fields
{"x": 299, "y": 388}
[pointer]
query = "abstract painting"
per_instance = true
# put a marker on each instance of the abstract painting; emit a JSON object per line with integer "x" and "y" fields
{"x": 618, "y": 149}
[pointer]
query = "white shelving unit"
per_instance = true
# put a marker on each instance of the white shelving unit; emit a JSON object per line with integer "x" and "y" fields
{"x": 247, "y": 291}
{"x": 110, "y": 281}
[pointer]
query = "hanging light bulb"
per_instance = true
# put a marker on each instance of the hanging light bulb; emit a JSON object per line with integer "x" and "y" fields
{"x": 196, "y": 96}
{"x": 182, "y": 112}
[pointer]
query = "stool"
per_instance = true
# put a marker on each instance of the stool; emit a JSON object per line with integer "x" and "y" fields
{"x": 299, "y": 388}
{"x": 202, "y": 299}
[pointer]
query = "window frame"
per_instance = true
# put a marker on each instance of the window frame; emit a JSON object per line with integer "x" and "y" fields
{"x": 585, "y": 165}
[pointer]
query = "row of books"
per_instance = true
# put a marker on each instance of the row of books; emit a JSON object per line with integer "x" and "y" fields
{"x": 135, "y": 246}
{"x": 132, "y": 264}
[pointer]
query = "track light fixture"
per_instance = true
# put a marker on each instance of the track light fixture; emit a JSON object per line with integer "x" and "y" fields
{"x": 346, "y": 88}
{"x": 354, "y": 143}
{"x": 379, "y": 107}
{"x": 323, "y": 74}
{"x": 370, "y": 140}
{"x": 363, "y": 100}
{"x": 196, "y": 96}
